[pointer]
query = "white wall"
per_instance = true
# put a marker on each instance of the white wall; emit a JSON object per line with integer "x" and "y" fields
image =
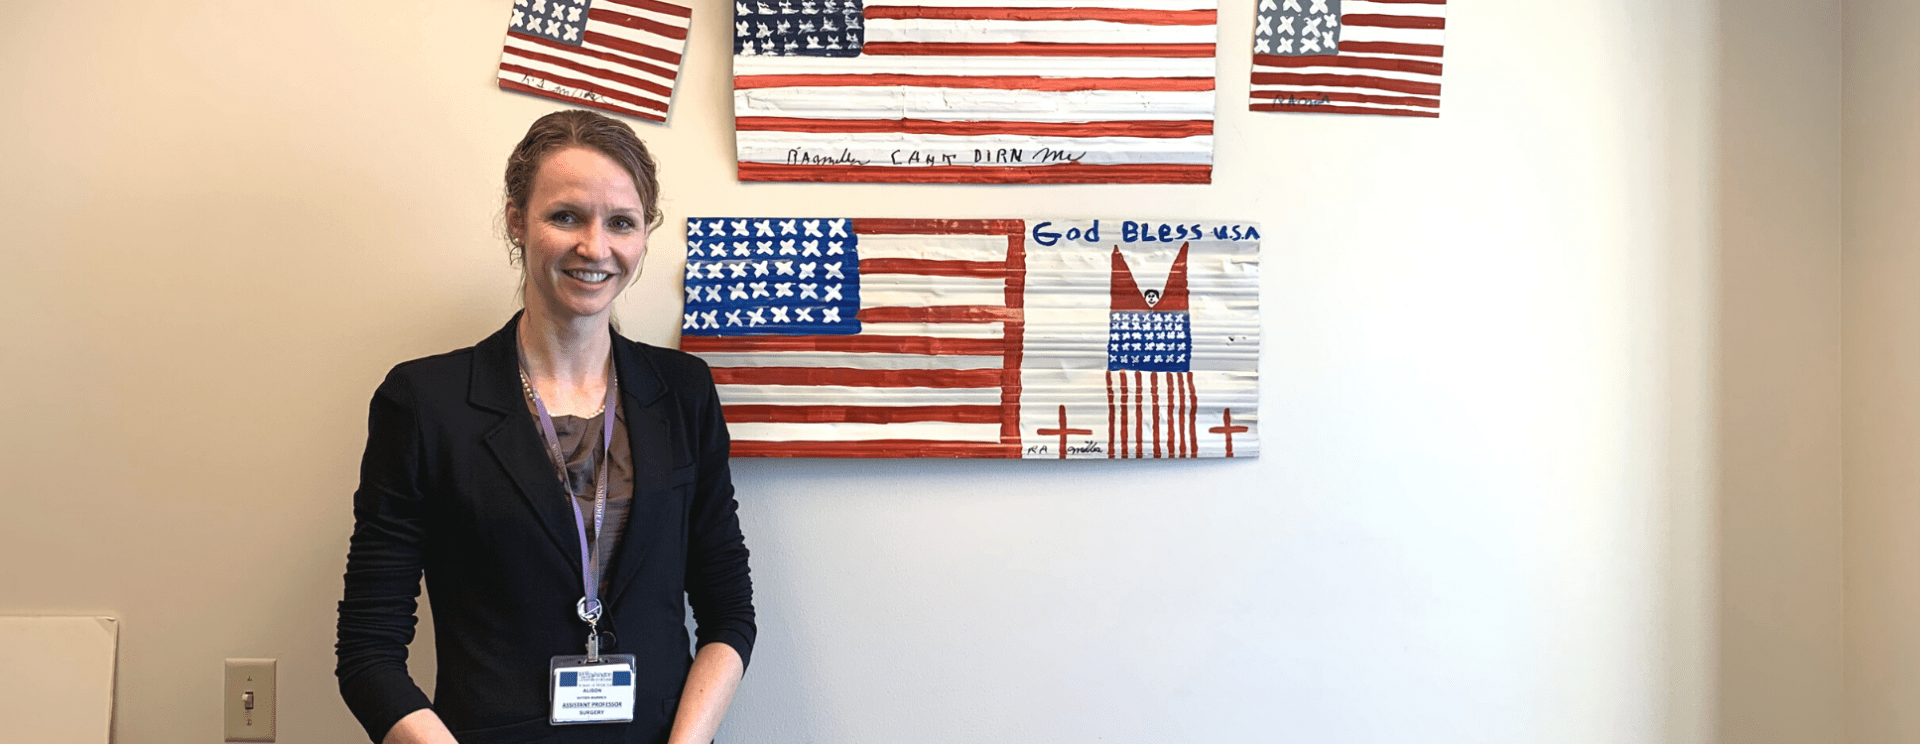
{"x": 1882, "y": 371}
{"x": 1483, "y": 514}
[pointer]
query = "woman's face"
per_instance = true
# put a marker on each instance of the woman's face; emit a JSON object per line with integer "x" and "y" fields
{"x": 584, "y": 233}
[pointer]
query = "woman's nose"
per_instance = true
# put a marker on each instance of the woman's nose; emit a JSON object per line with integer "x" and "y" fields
{"x": 596, "y": 244}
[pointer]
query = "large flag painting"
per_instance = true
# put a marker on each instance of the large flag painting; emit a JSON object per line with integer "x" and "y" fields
{"x": 619, "y": 56}
{"x": 1348, "y": 56}
{"x": 1057, "y": 339}
{"x": 972, "y": 91}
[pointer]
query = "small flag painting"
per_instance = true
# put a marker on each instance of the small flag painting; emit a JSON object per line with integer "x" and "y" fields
{"x": 836, "y": 337}
{"x": 974, "y": 91}
{"x": 619, "y": 56}
{"x": 1348, "y": 56}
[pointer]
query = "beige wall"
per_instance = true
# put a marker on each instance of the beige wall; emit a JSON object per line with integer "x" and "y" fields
{"x": 1882, "y": 311}
{"x": 1509, "y": 358}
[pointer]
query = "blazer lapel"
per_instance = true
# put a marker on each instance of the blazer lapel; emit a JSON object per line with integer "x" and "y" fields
{"x": 496, "y": 387}
{"x": 650, "y": 437}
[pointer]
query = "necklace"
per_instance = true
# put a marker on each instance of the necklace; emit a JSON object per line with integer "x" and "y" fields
{"x": 527, "y": 388}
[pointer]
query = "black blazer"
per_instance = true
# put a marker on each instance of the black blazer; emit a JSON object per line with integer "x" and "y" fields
{"x": 456, "y": 482}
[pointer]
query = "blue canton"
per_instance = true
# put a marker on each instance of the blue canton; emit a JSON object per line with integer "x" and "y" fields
{"x": 564, "y": 21}
{"x": 1297, "y": 27}
{"x": 756, "y": 277}
{"x": 1149, "y": 342}
{"x": 799, "y": 28}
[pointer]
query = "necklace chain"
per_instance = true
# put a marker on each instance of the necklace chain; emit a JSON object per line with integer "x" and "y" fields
{"x": 527, "y": 387}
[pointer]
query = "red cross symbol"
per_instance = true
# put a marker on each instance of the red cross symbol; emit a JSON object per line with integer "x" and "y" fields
{"x": 1063, "y": 431}
{"x": 1226, "y": 427}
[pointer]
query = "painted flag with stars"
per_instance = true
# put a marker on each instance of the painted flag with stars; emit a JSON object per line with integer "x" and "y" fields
{"x": 838, "y": 337}
{"x": 619, "y": 56}
{"x": 974, "y": 91}
{"x": 1349, "y": 56}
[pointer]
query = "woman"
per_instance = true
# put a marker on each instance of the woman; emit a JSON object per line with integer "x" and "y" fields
{"x": 462, "y": 479}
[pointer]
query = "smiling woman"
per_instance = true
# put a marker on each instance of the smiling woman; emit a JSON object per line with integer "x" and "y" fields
{"x": 485, "y": 468}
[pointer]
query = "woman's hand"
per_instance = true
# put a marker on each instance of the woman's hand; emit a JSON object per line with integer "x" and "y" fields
{"x": 422, "y": 726}
{"x": 710, "y": 684}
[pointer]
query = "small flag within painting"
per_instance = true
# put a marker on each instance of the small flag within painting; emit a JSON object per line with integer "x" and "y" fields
{"x": 620, "y": 56}
{"x": 834, "y": 337}
{"x": 971, "y": 91}
{"x": 1349, "y": 56}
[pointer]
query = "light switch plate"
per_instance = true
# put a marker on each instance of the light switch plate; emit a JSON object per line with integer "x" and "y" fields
{"x": 254, "y": 676}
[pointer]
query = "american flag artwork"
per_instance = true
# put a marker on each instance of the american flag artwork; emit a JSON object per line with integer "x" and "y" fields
{"x": 619, "y": 56}
{"x": 1046, "y": 339}
{"x": 1348, "y": 56}
{"x": 974, "y": 91}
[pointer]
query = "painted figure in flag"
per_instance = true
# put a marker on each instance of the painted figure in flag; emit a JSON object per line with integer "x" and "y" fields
{"x": 1013, "y": 91}
{"x": 1150, "y": 410}
{"x": 838, "y": 337}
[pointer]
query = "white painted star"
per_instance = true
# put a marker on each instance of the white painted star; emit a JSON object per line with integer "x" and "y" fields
{"x": 1309, "y": 44}
{"x": 1286, "y": 26}
{"x": 830, "y": 314}
{"x": 1293, "y": 5}
{"x": 1319, "y": 6}
{"x": 833, "y": 293}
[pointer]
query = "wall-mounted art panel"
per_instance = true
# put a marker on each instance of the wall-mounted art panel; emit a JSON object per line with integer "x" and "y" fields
{"x": 619, "y": 56}
{"x": 1084, "y": 339}
{"x": 950, "y": 91}
{"x": 1348, "y": 56}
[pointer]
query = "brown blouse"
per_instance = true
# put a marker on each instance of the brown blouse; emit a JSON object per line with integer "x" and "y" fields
{"x": 580, "y": 442}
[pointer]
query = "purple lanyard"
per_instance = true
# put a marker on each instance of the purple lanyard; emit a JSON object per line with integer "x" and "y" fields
{"x": 592, "y": 556}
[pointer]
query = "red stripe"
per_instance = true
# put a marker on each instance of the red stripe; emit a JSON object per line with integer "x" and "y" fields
{"x": 850, "y": 344}
{"x": 1390, "y": 47}
{"x": 1015, "y": 332}
{"x": 1347, "y": 81}
{"x": 675, "y": 10}
{"x": 870, "y": 226}
{"x": 1033, "y": 49}
{"x": 1341, "y": 110}
{"x": 1417, "y": 66}
{"x": 940, "y": 314}
{"x": 818, "y": 414}
{"x": 1123, "y": 414}
{"x": 604, "y": 56}
{"x": 924, "y": 267}
{"x": 1057, "y": 173}
{"x": 1392, "y": 21}
{"x": 1110, "y": 15}
{"x": 587, "y": 85}
{"x": 996, "y": 82}
{"x": 885, "y": 378}
{"x": 1176, "y": 405}
{"x": 1154, "y": 380}
{"x": 1193, "y": 415}
{"x": 632, "y": 47}
{"x": 599, "y": 72}
{"x": 676, "y": 33}
{"x": 1157, "y": 129}
{"x": 874, "y": 448}
{"x": 602, "y": 105}
{"x": 1308, "y": 98}
{"x": 1109, "y": 415}
{"x": 1139, "y": 430}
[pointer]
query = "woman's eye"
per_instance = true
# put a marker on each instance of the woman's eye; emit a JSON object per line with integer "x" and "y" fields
{"x": 622, "y": 223}
{"x": 564, "y": 218}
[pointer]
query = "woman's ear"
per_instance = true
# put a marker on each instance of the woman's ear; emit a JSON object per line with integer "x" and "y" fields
{"x": 516, "y": 225}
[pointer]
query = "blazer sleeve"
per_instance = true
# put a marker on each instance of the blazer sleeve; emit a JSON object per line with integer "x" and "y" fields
{"x": 384, "y": 564}
{"x": 719, "y": 584}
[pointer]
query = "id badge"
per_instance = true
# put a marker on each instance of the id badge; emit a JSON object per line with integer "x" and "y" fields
{"x": 585, "y": 692}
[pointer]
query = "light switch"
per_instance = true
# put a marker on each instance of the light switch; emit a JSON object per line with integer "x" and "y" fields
{"x": 250, "y": 699}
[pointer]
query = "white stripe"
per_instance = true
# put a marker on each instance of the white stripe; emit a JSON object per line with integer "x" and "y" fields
{"x": 842, "y": 432}
{"x": 1351, "y": 7}
{"x": 782, "y": 395}
{"x": 908, "y": 290}
{"x": 1400, "y": 35}
{"x": 1419, "y": 77}
{"x": 514, "y": 46}
{"x": 847, "y": 359}
{"x": 935, "y": 330}
{"x": 970, "y": 104}
{"x": 1001, "y": 32}
{"x": 889, "y": 150}
{"x": 1122, "y": 4}
{"x": 1062, "y": 67}
{"x": 935, "y": 247}
{"x": 540, "y": 79}
{"x": 544, "y": 69}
